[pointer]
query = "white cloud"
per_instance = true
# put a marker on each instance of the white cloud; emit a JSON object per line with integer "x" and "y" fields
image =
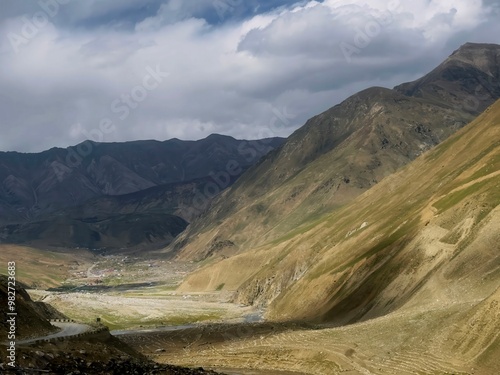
{"x": 233, "y": 78}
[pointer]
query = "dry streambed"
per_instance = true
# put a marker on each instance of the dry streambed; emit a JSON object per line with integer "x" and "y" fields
{"x": 132, "y": 293}
{"x": 120, "y": 312}
{"x": 142, "y": 295}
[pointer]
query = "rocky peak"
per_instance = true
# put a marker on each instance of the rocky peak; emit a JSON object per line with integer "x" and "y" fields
{"x": 485, "y": 57}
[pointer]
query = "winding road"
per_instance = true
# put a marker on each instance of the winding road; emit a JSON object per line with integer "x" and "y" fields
{"x": 67, "y": 330}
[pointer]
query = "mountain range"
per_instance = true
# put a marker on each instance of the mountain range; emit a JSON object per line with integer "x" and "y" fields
{"x": 88, "y": 195}
{"x": 346, "y": 150}
{"x": 383, "y": 206}
{"x": 383, "y": 209}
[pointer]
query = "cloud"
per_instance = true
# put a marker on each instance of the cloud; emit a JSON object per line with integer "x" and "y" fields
{"x": 261, "y": 69}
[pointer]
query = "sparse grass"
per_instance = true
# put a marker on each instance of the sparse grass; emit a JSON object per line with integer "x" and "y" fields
{"x": 452, "y": 199}
{"x": 443, "y": 148}
{"x": 491, "y": 166}
{"x": 125, "y": 313}
{"x": 41, "y": 268}
{"x": 117, "y": 323}
{"x": 453, "y": 237}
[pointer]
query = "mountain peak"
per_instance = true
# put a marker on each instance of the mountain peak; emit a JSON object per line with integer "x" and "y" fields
{"x": 483, "y": 56}
{"x": 472, "y": 71}
{"x": 469, "y": 46}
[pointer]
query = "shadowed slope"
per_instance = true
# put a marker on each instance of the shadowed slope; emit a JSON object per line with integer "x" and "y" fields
{"x": 425, "y": 235}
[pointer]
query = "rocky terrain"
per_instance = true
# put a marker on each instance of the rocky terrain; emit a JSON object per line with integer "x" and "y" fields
{"x": 111, "y": 196}
{"x": 368, "y": 243}
{"x": 98, "y": 354}
{"x": 346, "y": 150}
{"x": 32, "y": 318}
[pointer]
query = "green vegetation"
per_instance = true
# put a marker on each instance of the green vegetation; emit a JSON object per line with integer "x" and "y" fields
{"x": 114, "y": 322}
{"x": 452, "y": 199}
{"x": 41, "y": 268}
{"x": 114, "y": 319}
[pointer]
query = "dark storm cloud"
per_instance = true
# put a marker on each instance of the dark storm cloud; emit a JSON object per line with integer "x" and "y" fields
{"x": 116, "y": 71}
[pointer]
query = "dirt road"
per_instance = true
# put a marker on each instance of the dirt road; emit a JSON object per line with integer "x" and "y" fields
{"x": 67, "y": 330}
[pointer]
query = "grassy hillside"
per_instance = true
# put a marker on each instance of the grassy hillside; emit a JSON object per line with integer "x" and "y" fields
{"x": 341, "y": 153}
{"x": 42, "y": 268}
{"x": 426, "y": 237}
{"x": 440, "y": 211}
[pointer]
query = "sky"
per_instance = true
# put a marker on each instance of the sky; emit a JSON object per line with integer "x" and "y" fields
{"x": 114, "y": 71}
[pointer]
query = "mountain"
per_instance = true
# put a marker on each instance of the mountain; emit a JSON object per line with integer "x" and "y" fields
{"x": 468, "y": 79}
{"x": 341, "y": 153}
{"x": 134, "y": 195}
{"x": 184, "y": 199}
{"x": 32, "y": 317}
{"x": 112, "y": 232}
{"x": 421, "y": 247}
{"x": 34, "y": 185}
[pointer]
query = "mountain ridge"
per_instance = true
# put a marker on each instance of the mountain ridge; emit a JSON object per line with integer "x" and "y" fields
{"x": 91, "y": 195}
{"x": 339, "y": 154}
{"x": 427, "y": 232}
{"x": 33, "y": 185}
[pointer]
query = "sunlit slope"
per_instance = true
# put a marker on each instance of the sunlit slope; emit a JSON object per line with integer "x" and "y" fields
{"x": 39, "y": 268}
{"x": 342, "y": 152}
{"x": 427, "y": 235}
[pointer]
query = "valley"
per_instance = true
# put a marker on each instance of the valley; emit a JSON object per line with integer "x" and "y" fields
{"x": 138, "y": 300}
{"x": 131, "y": 293}
{"x": 367, "y": 243}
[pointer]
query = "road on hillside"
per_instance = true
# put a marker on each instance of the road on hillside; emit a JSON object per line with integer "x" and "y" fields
{"x": 255, "y": 317}
{"x": 67, "y": 330}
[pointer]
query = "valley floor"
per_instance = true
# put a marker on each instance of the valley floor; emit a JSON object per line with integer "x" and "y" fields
{"x": 139, "y": 298}
{"x": 136, "y": 294}
{"x": 386, "y": 345}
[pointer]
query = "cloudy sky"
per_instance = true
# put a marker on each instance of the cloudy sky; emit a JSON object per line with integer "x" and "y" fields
{"x": 157, "y": 69}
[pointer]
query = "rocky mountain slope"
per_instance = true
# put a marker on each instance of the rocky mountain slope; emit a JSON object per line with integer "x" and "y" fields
{"x": 344, "y": 151}
{"x": 32, "y": 317}
{"x": 34, "y": 185}
{"x": 97, "y": 354}
{"x": 427, "y": 234}
{"x": 135, "y": 195}
{"x": 419, "y": 251}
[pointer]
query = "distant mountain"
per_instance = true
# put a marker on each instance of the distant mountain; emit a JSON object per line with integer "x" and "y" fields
{"x": 184, "y": 199}
{"x": 344, "y": 151}
{"x": 32, "y": 185}
{"x": 117, "y": 195}
{"x": 116, "y": 231}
